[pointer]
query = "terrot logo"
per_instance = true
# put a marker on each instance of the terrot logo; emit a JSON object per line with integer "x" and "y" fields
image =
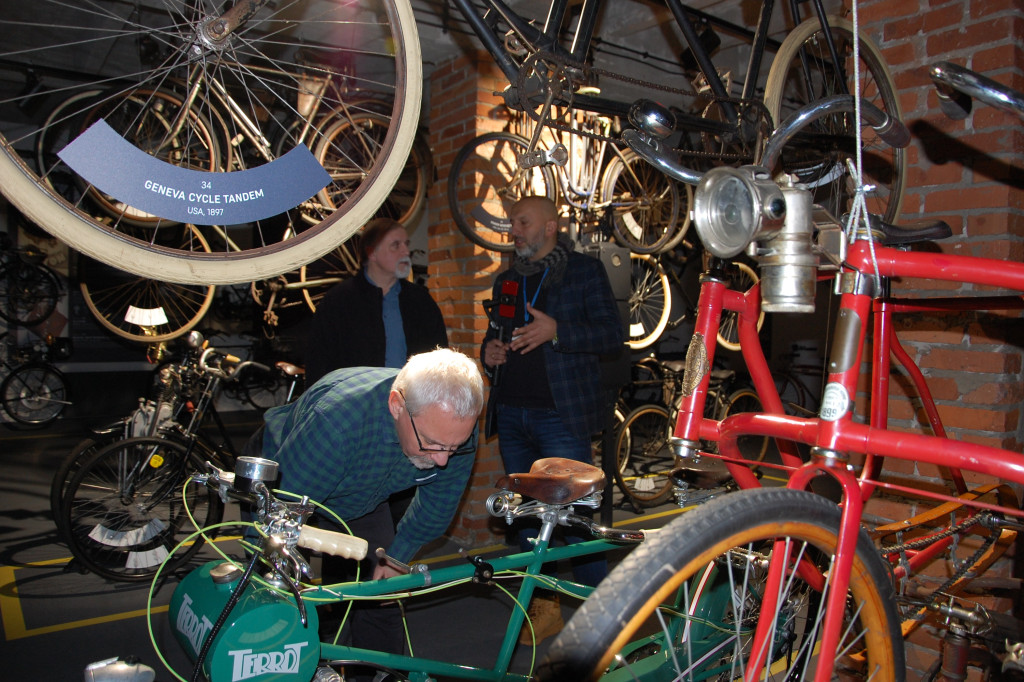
{"x": 248, "y": 665}
{"x": 192, "y": 626}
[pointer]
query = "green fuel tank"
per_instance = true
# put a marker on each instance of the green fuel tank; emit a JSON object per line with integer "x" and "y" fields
{"x": 262, "y": 638}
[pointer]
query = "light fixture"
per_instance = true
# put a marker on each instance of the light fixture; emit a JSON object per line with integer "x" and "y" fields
{"x": 733, "y": 205}
{"x": 147, "y": 318}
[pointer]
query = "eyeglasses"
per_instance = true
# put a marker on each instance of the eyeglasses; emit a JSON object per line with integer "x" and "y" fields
{"x": 415, "y": 432}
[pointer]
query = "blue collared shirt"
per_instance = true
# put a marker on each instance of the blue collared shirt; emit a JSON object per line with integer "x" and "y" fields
{"x": 395, "y": 350}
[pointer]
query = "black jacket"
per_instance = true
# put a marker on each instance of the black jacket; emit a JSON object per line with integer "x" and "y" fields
{"x": 348, "y": 327}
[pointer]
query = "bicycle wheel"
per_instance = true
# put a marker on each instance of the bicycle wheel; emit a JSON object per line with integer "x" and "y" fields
{"x": 318, "y": 277}
{"x": 753, "y": 448}
{"x": 684, "y": 604}
{"x": 110, "y": 291}
{"x": 649, "y": 212}
{"x": 125, "y": 508}
{"x": 262, "y": 390}
{"x": 645, "y": 456}
{"x": 650, "y": 301}
{"x": 804, "y": 72}
{"x": 484, "y": 182}
{"x": 743, "y": 277}
{"x": 29, "y": 292}
{"x": 349, "y": 146}
{"x": 67, "y": 469}
{"x": 251, "y": 79}
{"x": 34, "y": 394}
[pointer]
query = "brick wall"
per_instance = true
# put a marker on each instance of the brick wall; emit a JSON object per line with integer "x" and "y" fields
{"x": 967, "y": 173}
{"x": 463, "y": 105}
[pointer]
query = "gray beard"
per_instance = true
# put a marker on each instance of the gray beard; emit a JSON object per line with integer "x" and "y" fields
{"x": 527, "y": 252}
{"x": 421, "y": 463}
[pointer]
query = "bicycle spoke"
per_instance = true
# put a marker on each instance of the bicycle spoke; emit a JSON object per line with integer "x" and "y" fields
{"x": 187, "y": 98}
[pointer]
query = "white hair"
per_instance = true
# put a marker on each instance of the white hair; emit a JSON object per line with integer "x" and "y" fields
{"x": 442, "y": 377}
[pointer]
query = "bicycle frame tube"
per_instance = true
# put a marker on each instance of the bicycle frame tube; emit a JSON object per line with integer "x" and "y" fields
{"x": 885, "y": 340}
{"x": 548, "y": 40}
{"x": 835, "y": 432}
{"x": 691, "y": 425}
{"x": 531, "y": 562}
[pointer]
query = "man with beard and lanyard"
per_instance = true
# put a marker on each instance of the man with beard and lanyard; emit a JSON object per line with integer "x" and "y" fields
{"x": 377, "y": 318}
{"x": 549, "y": 400}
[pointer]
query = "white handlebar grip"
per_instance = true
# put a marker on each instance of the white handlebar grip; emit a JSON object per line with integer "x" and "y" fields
{"x": 332, "y": 542}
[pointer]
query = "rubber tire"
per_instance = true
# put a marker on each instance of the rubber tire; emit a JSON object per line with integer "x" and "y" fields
{"x": 728, "y": 337}
{"x": 113, "y": 290}
{"x": 23, "y": 387}
{"x": 649, "y": 458}
{"x": 651, "y": 575}
{"x": 26, "y": 190}
{"x": 887, "y": 95}
{"x": 35, "y": 292}
{"x": 635, "y": 190}
{"x": 67, "y": 469}
{"x": 406, "y": 198}
{"x": 87, "y": 508}
{"x": 650, "y": 301}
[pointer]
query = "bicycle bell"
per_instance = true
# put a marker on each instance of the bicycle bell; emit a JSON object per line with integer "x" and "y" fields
{"x": 652, "y": 118}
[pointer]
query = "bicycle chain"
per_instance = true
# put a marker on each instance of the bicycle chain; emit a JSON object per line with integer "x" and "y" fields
{"x": 924, "y": 542}
{"x": 558, "y": 66}
{"x": 963, "y": 567}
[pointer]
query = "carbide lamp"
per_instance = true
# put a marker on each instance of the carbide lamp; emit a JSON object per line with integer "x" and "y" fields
{"x": 732, "y": 206}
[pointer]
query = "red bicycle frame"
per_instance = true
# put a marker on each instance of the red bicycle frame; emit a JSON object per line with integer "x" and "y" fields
{"x": 834, "y": 435}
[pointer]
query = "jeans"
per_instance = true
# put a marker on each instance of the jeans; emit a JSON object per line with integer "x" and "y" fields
{"x": 374, "y": 625}
{"x": 526, "y": 435}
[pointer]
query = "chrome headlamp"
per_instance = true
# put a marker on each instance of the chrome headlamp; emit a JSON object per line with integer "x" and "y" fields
{"x": 732, "y": 206}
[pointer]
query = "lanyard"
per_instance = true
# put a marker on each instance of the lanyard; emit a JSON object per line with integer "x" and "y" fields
{"x": 533, "y": 301}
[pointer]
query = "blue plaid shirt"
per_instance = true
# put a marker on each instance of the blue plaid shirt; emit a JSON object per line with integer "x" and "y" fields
{"x": 338, "y": 444}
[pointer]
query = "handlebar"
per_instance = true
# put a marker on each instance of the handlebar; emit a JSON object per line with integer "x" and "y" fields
{"x": 956, "y": 84}
{"x": 891, "y": 130}
{"x": 333, "y": 543}
{"x": 285, "y": 522}
{"x": 653, "y": 123}
{"x": 225, "y": 365}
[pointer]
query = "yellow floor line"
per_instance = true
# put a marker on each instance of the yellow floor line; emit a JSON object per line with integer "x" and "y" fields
{"x": 647, "y": 517}
{"x": 13, "y": 617}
